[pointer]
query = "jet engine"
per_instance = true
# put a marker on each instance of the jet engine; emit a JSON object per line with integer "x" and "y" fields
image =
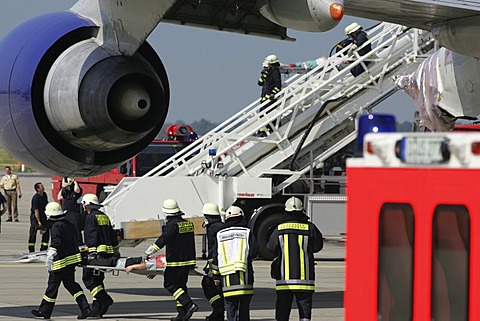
{"x": 459, "y": 35}
{"x": 303, "y": 15}
{"x": 70, "y": 106}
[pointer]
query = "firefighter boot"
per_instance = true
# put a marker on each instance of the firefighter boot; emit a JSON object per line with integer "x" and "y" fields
{"x": 190, "y": 309}
{"x": 84, "y": 314}
{"x": 105, "y": 305}
{"x": 95, "y": 309}
{"x": 85, "y": 310}
{"x": 40, "y": 314}
{"x": 218, "y": 313}
{"x": 180, "y": 315}
{"x": 215, "y": 317}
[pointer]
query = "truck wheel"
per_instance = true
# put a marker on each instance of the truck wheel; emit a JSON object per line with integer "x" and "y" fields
{"x": 265, "y": 229}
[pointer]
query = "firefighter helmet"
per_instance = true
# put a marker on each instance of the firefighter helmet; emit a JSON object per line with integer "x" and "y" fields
{"x": 271, "y": 59}
{"x": 234, "y": 211}
{"x": 54, "y": 211}
{"x": 170, "y": 206}
{"x": 210, "y": 209}
{"x": 293, "y": 204}
{"x": 67, "y": 181}
{"x": 353, "y": 27}
{"x": 90, "y": 201}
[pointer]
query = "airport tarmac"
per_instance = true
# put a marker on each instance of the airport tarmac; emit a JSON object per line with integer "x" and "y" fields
{"x": 22, "y": 285}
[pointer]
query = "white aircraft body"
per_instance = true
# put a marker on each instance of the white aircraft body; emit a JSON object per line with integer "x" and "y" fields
{"x": 82, "y": 91}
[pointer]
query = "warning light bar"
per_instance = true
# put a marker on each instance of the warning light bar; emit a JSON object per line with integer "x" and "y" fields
{"x": 423, "y": 150}
{"x": 420, "y": 149}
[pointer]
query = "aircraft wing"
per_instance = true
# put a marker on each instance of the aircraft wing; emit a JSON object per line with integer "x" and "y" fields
{"x": 420, "y": 14}
{"x": 225, "y": 15}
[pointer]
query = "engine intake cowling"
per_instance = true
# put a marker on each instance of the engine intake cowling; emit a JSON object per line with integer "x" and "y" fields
{"x": 70, "y": 107}
{"x": 303, "y": 15}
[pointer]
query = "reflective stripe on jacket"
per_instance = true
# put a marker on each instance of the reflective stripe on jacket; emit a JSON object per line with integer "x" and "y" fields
{"x": 295, "y": 242}
{"x": 179, "y": 239}
{"x": 64, "y": 242}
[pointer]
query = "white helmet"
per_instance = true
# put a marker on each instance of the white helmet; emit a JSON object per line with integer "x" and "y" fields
{"x": 90, "y": 201}
{"x": 352, "y": 28}
{"x": 233, "y": 211}
{"x": 271, "y": 59}
{"x": 293, "y": 204}
{"x": 54, "y": 211}
{"x": 67, "y": 181}
{"x": 210, "y": 209}
{"x": 170, "y": 206}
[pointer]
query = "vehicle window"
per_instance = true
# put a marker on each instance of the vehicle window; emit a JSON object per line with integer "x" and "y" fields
{"x": 450, "y": 256}
{"x": 154, "y": 155}
{"x": 395, "y": 262}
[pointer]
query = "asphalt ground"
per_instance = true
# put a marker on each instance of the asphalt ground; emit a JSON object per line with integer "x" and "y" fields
{"x": 22, "y": 285}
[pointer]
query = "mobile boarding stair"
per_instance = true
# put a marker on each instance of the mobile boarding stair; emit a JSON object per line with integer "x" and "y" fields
{"x": 313, "y": 119}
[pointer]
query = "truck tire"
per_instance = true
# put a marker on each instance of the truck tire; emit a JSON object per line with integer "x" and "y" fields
{"x": 264, "y": 231}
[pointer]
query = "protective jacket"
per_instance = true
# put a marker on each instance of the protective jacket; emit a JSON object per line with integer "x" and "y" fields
{"x": 70, "y": 198}
{"x": 179, "y": 239}
{"x": 294, "y": 242}
{"x": 99, "y": 234}
{"x": 271, "y": 82}
{"x": 360, "y": 38}
{"x": 237, "y": 282}
{"x": 65, "y": 244}
{"x": 215, "y": 225}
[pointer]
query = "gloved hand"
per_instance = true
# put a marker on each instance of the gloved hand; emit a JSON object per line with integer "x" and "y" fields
{"x": 91, "y": 256}
{"x": 264, "y": 73}
{"x": 148, "y": 253}
{"x": 49, "y": 261}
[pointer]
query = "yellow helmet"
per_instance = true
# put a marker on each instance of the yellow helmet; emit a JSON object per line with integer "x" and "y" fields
{"x": 352, "y": 28}
{"x": 234, "y": 211}
{"x": 90, "y": 200}
{"x": 210, "y": 209}
{"x": 271, "y": 59}
{"x": 293, "y": 204}
{"x": 67, "y": 181}
{"x": 54, "y": 211}
{"x": 170, "y": 206}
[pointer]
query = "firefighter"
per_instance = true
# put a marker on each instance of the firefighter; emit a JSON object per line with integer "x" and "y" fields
{"x": 102, "y": 247}
{"x": 355, "y": 32}
{"x": 271, "y": 82}
{"x": 213, "y": 293}
{"x": 62, "y": 256}
{"x": 179, "y": 240}
{"x": 294, "y": 242}
{"x": 38, "y": 219}
{"x": 233, "y": 254}
{"x": 68, "y": 196}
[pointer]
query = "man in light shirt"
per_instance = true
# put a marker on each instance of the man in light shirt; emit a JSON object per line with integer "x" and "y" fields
{"x": 11, "y": 186}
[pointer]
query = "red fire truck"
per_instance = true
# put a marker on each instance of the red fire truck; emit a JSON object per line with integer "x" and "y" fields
{"x": 413, "y": 228}
{"x": 177, "y": 136}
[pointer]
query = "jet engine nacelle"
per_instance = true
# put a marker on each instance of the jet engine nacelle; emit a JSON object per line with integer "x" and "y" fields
{"x": 69, "y": 106}
{"x": 303, "y": 15}
{"x": 459, "y": 35}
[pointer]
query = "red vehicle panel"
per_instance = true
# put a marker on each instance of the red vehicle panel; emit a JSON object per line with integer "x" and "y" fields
{"x": 413, "y": 243}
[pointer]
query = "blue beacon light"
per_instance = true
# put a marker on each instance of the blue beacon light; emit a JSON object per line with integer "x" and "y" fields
{"x": 373, "y": 123}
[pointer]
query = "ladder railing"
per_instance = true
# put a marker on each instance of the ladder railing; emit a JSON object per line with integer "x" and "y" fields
{"x": 244, "y": 154}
